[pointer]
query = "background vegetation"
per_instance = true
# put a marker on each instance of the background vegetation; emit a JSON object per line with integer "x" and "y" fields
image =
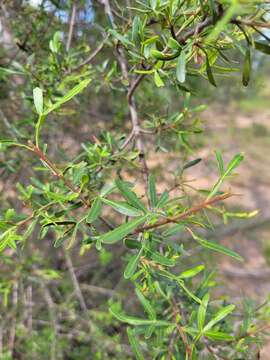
{"x": 123, "y": 232}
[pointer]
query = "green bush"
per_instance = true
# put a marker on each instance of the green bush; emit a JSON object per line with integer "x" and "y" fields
{"x": 142, "y": 71}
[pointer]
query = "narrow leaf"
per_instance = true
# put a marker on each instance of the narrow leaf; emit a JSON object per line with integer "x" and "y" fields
{"x": 246, "y": 68}
{"x": 129, "y": 195}
{"x": 94, "y": 211}
{"x": 164, "y": 57}
{"x": 209, "y": 73}
{"x": 146, "y": 304}
{"x": 231, "y": 166}
{"x": 202, "y": 311}
{"x": 181, "y": 68}
{"x": 132, "y": 265}
{"x": 131, "y": 320}
{"x": 191, "y": 272}
{"x": 158, "y": 81}
{"x": 162, "y": 260}
{"x": 123, "y": 208}
{"x": 162, "y": 200}
{"x": 38, "y": 100}
{"x": 216, "y": 247}
{"x": 134, "y": 344}
{"x": 73, "y": 92}
{"x": 221, "y": 314}
{"x": 152, "y": 190}
{"x": 192, "y": 163}
{"x": 121, "y": 231}
{"x": 262, "y": 46}
{"x": 220, "y": 162}
{"x": 219, "y": 336}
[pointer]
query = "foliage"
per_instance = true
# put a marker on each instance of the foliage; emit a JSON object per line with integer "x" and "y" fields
{"x": 104, "y": 196}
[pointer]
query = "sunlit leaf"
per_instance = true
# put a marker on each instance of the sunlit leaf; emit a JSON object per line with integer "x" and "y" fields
{"x": 121, "y": 231}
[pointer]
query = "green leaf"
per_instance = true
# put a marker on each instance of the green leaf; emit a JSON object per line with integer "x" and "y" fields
{"x": 221, "y": 314}
{"x": 129, "y": 195}
{"x": 73, "y": 92}
{"x": 158, "y": 81}
{"x": 262, "y": 46}
{"x": 136, "y": 26}
{"x": 202, "y": 311}
{"x": 131, "y": 320}
{"x": 246, "y": 68}
{"x": 213, "y": 10}
{"x": 152, "y": 190}
{"x": 146, "y": 304}
{"x": 121, "y": 231}
{"x": 162, "y": 260}
{"x": 162, "y": 200}
{"x": 192, "y": 163}
{"x": 134, "y": 344}
{"x": 220, "y": 162}
{"x": 191, "y": 272}
{"x": 218, "y": 335}
{"x": 7, "y": 71}
{"x": 123, "y": 208}
{"x": 132, "y": 265}
{"x": 95, "y": 211}
{"x": 209, "y": 72}
{"x": 174, "y": 44}
{"x": 73, "y": 237}
{"x": 216, "y": 247}
{"x": 38, "y": 100}
{"x": 164, "y": 57}
{"x": 132, "y": 244}
{"x": 181, "y": 68}
{"x": 123, "y": 40}
{"x": 231, "y": 166}
{"x": 173, "y": 230}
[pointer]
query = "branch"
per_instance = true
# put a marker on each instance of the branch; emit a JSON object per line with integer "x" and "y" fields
{"x": 76, "y": 284}
{"x": 200, "y": 26}
{"x": 71, "y": 25}
{"x": 185, "y": 214}
{"x": 181, "y": 331}
{"x": 131, "y": 100}
{"x": 92, "y": 55}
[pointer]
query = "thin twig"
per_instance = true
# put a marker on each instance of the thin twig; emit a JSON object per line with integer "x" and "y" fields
{"x": 76, "y": 284}
{"x": 12, "y": 333}
{"x": 185, "y": 214}
{"x": 71, "y": 25}
{"x": 181, "y": 331}
{"x": 53, "y": 317}
{"x": 92, "y": 55}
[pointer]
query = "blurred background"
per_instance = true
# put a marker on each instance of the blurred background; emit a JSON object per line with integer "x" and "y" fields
{"x": 234, "y": 119}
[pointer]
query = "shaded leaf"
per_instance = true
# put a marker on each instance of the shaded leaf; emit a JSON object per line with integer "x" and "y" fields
{"x": 262, "y": 46}
{"x": 246, "y": 68}
{"x": 95, "y": 211}
{"x": 152, "y": 190}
